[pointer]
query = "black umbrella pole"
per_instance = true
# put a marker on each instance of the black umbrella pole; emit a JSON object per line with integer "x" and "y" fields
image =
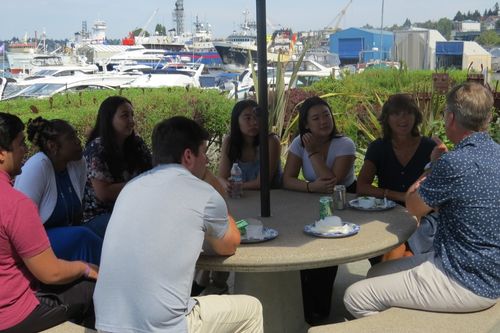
{"x": 265, "y": 205}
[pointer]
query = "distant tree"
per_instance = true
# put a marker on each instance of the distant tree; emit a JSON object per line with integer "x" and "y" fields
{"x": 427, "y": 25}
{"x": 160, "y": 30}
{"x": 476, "y": 16}
{"x": 407, "y": 23}
{"x": 445, "y": 26}
{"x": 367, "y": 26}
{"x": 485, "y": 13}
{"x": 458, "y": 16}
{"x": 137, "y": 31}
{"x": 497, "y": 24}
{"x": 488, "y": 38}
{"x": 394, "y": 28}
{"x": 490, "y": 13}
{"x": 496, "y": 8}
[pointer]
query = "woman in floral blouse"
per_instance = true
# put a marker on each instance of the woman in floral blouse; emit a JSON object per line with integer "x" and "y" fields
{"x": 114, "y": 155}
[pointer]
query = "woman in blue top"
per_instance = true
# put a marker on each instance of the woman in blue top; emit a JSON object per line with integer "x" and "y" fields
{"x": 54, "y": 178}
{"x": 242, "y": 146}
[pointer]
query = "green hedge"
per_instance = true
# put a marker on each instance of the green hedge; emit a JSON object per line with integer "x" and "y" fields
{"x": 150, "y": 106}
{"x": 356, "y": 102}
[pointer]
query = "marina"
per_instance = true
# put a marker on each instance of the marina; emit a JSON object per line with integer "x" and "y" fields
{"x": 194, "y": 58}
{"x": 244, "y": 167}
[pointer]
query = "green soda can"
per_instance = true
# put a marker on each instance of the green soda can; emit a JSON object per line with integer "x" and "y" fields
{"x": 325, "y": 207}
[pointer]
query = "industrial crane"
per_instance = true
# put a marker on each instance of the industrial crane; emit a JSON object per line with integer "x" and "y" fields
{"x": 143, "y": 30}
{"x": 335, "y": 23}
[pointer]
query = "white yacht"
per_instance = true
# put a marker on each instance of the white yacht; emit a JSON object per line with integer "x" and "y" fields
{"x": 309, "y": 72}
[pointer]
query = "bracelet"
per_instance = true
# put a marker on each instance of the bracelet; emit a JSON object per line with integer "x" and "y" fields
{"x": 87, "y": 271}
{"x": 313, "y": 153}
{"x": 307, "y": 187}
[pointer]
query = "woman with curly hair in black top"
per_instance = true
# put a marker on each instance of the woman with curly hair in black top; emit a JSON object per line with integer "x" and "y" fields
{"x": 114, "y": 154}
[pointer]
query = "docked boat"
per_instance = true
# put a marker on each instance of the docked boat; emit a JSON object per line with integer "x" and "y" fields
{"x": 156, "y": 59}
{"x": 55, "y": 86}
{"x": 59, "y": 65}
{"x": 200, "y": 47}
{"x": 235, "y": 51}
{"x": 172, "y": 75}
{"x": 48, "y": 85}
{"x": 20, "y": 53}
{"x": 190, "y": 47}
{"x": 308, "y": 73}
{"x": 24, "y": 46}
{"x": 25, "y": 63}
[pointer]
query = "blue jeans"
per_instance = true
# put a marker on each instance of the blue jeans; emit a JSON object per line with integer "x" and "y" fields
{"x": 98, "y": 224}
{"x": 75, "y": 243}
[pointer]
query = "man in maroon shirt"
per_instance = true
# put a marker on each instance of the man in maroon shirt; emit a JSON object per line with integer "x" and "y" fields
{"x": 37, "y": 290}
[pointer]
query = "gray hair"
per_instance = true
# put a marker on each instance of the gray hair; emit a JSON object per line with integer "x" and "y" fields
{"x": 471, "y": 103}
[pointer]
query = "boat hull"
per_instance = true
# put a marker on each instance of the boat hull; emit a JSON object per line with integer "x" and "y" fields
{"x": 236, "y": 57}
{"x": 211, "y": 59}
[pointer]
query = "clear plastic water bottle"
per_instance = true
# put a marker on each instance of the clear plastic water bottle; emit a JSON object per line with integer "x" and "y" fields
{"x": 236, "y": 180}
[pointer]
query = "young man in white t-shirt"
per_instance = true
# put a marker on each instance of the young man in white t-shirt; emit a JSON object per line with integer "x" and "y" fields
{"x": 154, "y": 237}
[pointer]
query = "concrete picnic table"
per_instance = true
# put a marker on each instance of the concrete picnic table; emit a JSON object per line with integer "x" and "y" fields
{"x": 270, "y": 270}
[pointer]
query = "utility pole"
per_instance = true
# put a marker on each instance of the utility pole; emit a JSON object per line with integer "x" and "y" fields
{"x": 382, "y": 32}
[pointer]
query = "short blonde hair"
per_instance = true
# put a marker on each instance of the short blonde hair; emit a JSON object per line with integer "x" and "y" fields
{"x": 471, "y": 103}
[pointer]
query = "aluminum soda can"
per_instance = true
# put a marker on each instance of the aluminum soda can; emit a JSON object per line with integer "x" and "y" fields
{"x": 339, "y": 197}
{"x": 325, "y": 207}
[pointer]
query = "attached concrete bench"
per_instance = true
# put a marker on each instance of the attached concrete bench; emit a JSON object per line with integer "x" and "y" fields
{"x": 397, "y": 320}
{"x": 69, "y": 327}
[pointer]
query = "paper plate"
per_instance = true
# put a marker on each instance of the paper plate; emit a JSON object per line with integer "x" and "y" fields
{"x": 379, "y": 205}
{"x": 269, "y": 233}
{"x": 311, "y": 230}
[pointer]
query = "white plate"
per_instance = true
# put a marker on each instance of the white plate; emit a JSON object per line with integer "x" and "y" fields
{"x": 269, "y": 233}
{"x": 379, "y": 205}
{"x": 310, "y": 230}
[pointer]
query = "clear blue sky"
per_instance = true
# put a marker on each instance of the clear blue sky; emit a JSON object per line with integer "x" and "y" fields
{"x": 62, "y": 18}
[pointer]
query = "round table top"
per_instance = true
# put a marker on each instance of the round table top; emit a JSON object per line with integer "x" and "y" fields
{"x": 295, "y": 250}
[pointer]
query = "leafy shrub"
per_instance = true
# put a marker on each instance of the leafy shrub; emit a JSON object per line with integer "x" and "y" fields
{"x": 150, "y": 106}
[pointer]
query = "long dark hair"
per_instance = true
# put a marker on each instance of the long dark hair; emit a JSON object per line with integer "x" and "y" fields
{"x": 235, "y": 135}
{"x": 41, "y": 130}
{"x": 397, "y": 103}
{"x": 132, "y": 160}
{"x": 304, "y": 112}
{"x": 10, "y": 127}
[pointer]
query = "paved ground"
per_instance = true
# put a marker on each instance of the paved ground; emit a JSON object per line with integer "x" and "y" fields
{"x": 347, "y": 275}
